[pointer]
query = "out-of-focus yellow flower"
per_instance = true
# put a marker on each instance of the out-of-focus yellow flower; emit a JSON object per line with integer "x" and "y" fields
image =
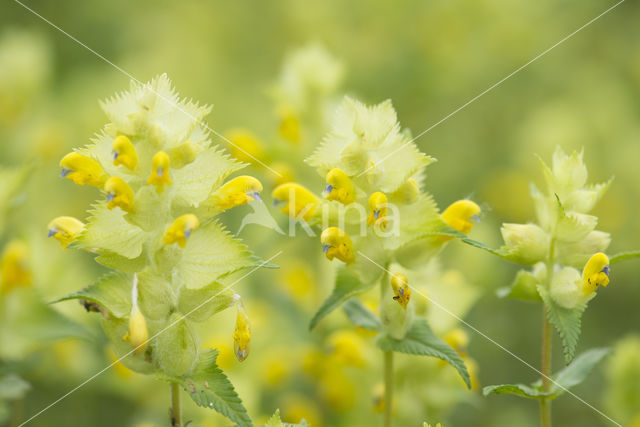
{"x": 124, "y": 153}
{"x": 245, "y": 146}
{"x": 65, "y": 229}
{"x": 377, "y": 209}
{"x": 458, "y": 340}
{"x": 289, "y": 125}
{"x": 299, "y": 281}
{"x": 138, "y": 334}
{"x": 313, "y": 362}
{"x": 429, "y": 425}
{"x": 295, "y": 408}
{"x": 458, "y": 214}
{"x": 276, "y": 368}
{"x": 378, "y": 398}
{"x": 225, "y": 352}
{"x": 14, "y": 268}
{"x": 298, "y": 200}
{"x": 242, "y": 335}
{"x": 285, "y": 173}
{"x": 82, "y": 170}
{"x": 337, "y": 244}
{"x": 339, "y": 187}
{"x": 401, "y": 290}
{"x": 118, "y": 367}
{"x": 239, "y": 191}
{"x": 180, "y": 230}
{"x": 118, "y": 194}
{"x": 595, "y": 273}
{"x": 160, "y": 174}
{"x": 337, "y": 390}
{"x": 472, "y": 367}
{"x": 346, "y": 348}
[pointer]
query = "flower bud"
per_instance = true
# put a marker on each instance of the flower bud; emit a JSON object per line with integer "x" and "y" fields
{"x": 377, "y": 209}
{"x": 339, "y": 187}
{"x": 138, "y": 334}
{"x": 183, "y": 154}
{"x": 525, "y": 243}
{"x": 238, "y": 191}
{"x": 595, "y": 273}
{"x": 245, "y": 146}
{"x": 401, "y": 290}
{"x": 160, "y": 175}
{"x": 458, "y": 214}
{"x": 118, "y": 194}
{"x": 65, "y": 229}
{"x": 14, "y": 269}
{"x": 337, "y": 244}
{"x": 180, "y": 230}
{"x": 124, "y": 153}
{"x": 242, "y": 335}
{"x": 82, "y": 170}
{"x": 298, "y": 200}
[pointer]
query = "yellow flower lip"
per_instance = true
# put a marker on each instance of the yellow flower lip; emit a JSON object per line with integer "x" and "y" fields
{"x": 378, "y": 209}
{"x": 124, "y": 153}
{"x": 82, "y": 170}
{"x": 160, "y": 175}
{"x": 339, "y": 187}
{"x": 337, "y": 244}
{"x": 298, "y": 200}
{"x": 595, "y": 273}
{"x": 459, "y": 214}
{"x": 180, "y": 230}
{"x": 118, "y": 194}
{"x": 65, "y": 229}
{"x": 401, "y": 290}
{"x": 238, "y": 191}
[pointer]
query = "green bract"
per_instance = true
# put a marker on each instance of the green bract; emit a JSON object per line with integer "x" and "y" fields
{"x": 160, "y": 237}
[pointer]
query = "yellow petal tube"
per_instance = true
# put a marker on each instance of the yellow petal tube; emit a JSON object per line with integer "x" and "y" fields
{"x": 401, "y": 291}
{"x": 298, "y": 200}
{"x": 82, "y": 170}
{"x": 242, "y": 335}
{"x": 138, "y": 334}
{"x": 458, "y": 214}
{"x": 180, "y": 230}
{"x": 337, "y": 244}
{"x": 595, "y": 273}
{"x": 124, "y": 153}
{"x": 339, "y": 187}
{"x": 65, "y": 229}
{"x": 160, "y": 174}
{"x": 118, "y": 194}
{"x": 377, "y": 209}
{"x": 14, "y": 268}
{"x": 238, "y": 191}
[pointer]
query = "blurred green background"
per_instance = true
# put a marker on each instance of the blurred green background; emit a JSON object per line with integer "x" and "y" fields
{"x": 429, "y": 57}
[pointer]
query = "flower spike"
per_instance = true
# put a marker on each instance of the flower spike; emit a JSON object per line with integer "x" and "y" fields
{"x": 124, "y": 153}
{"x": 65, "y": 229}
{"x": 298, "y": 200}
{"x": 82, "y": 170}
{"x": 401, "y": 290}
{"x": 238, "y": 191}
{"x": 337, "y": 244}
{"x": 180, "y": 230}
{"x": 118, "y": 194}
{"x": 595, "y": 273}
{"x": 339, "y": 187}
{"x": 378, "y": 209}
{"x": 242, "y": 334}
{"x": 458, "y": 214}
{"x": 160, "y": 175}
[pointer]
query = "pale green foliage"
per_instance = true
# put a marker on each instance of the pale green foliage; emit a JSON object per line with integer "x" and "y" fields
{"x": 622, "y": 372}
{"x": 275, "y": 421}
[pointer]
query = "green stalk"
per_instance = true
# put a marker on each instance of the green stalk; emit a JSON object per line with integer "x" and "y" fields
{"x": 545, "y": 404}
{"x": 176, "y": 416}
{"x": 388, "y": 387}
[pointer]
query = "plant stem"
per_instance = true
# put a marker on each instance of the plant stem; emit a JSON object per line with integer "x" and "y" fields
{"x": 545, "y": 404}
{"x": 388, "y": 387}
{"x": 176, "y": 416}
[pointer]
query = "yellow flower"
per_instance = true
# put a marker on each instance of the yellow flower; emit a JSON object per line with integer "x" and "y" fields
{"x": 595, "y": 273}
{"x": 238, "y": 191}
{"x": 285, "y": 173}
{"x": 183, "y": 154}
{"x": 180, "y": 230}
{"x": 118, "y": 194}
{"x": 378, "y": 209}
{"x": 124, "y": 153}
{"x": 65, "y": 229}
{"x": 289, "y": 125}
{"x": 401, "y": 291}
{"x": 339, "y": 187}
{"x": 242, "y": 335}
{"x": 245, "y": 146}
{"x": 378, "y": 398}
{"x": 160, "y": 175}
{"x": 138, "y": 334}
{"x": 458, "y": 340}
{"x": 82, "y": 170}
{"x": 298, "y": 200}
{"x": 458, "y": 214}
{"x": 337, "y": 244}
{"x": 14, "y": 269}
{"x": 347, "y": 348}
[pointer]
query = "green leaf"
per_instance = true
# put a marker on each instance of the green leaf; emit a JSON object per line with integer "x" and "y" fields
{"x": 524, "y": 287}
{"x": 209, "y": 387}
{"x": 623, "y": 256}
{"x": 346, "y": 286}
{"x": 107, "y": 230}
{"x": 361, "y": 316}
{"x": 521, "y": 390}
{"x": 200, "y": 304}
{"x": 111, "y": 291}
{"x": 13, "y": 387}
{"x": 567, "y": 322}
{"x": 578, "y": 370}
{"x": 497, "y": 252}
{"x": 421, "y": 340}
{"x": 118, "y": 262}
{"x": 275, "y": 421}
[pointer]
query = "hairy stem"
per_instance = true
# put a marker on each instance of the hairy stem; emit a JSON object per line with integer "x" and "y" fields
{"x": 388, "y": 387}
{"x": 176, "y": 416}
{"x": 545, "y": 404}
